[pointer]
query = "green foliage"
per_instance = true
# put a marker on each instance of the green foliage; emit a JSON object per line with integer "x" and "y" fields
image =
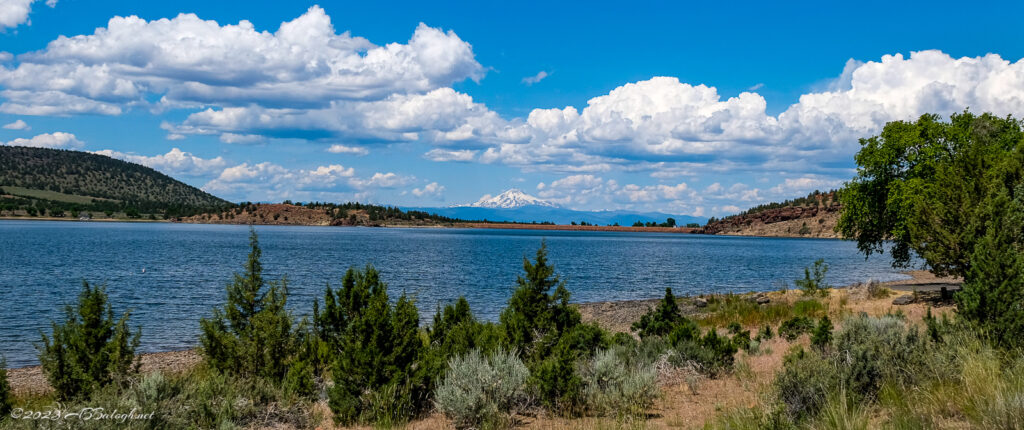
{"x": 536, "y": 318}
{"x": 870, "y": 351}
{"x": 813, "y": 284}
{"x": 483, "y": 392}
{"x": 822, "y": 335}
{"x": 454, "y": 333}
{"x": 804, "y": 384}
{"x": 90, "y": 349}
{"x": 616, "y": 387}
{"x": 376, "y": 350}
{"x": 765, "y": 333}
{"x": 547, "y": 329}
{"x": 993, "y": 288}
{"x": 794, "y": 327}
{"x": 5, "y": 390}
{"x": 661, "y": 320}
{"x": 928, "y": 187}
{"x": 253, "y": 335}
{"x": 729, "y": 308}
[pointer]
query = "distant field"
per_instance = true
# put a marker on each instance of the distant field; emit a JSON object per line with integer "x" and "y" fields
{"x": 50, "y": 195}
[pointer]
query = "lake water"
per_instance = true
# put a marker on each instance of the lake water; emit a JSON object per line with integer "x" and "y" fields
{"x": 171, "y": 275}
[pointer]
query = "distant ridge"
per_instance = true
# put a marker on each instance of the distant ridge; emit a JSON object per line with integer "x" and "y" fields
{"x": 62, "y": 179}
{"x": 514, "y": 205}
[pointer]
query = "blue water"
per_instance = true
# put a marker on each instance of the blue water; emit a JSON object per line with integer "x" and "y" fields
{"x": 170, "y": 275}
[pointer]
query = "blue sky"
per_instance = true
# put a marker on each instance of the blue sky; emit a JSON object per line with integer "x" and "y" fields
{"x": 681, "y": 108}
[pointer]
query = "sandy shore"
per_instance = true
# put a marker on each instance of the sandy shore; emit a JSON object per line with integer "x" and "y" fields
{"x": 613, "y": 316}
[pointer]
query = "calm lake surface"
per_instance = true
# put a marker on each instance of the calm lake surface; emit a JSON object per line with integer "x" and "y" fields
{"x": 171, "y": 275}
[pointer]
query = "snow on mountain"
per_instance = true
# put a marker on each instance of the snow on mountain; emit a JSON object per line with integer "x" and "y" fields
{"x": 510, "y": 199}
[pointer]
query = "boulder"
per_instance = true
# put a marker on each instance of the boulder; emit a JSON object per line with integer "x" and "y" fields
{"x": 700, "y": 303}
{"x": 763, "y": 300}
{"x": 903, "y": 300}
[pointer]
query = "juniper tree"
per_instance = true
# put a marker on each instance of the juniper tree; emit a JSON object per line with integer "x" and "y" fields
{"x": 253, "y": 335}
{"x": 662, "y": 320}
{"x": 536, "y": 318}
{"x": 375, "y": 348}
{"x": 91, "y": 348}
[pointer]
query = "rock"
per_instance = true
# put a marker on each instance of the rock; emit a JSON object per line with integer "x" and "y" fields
{"x": 763, "y": 300}
{"x": 903, "y": 300}
{"x": 700, "y": 303}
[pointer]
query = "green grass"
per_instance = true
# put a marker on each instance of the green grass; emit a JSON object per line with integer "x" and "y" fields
{"x": 51, "y": 195}
{"x": 729, "y": 308}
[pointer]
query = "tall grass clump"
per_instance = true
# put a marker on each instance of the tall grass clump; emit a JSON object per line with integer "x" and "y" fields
{"x": 483, "y": 391}
{"x": 90, "y": 349}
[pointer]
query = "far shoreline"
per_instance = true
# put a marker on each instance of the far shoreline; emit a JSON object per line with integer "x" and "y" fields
{"x": 465, "y": 225}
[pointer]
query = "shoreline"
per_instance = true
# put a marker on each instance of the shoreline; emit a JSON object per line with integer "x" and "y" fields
{"x": 466, "y": 225}
{"x": 612, "y": 315}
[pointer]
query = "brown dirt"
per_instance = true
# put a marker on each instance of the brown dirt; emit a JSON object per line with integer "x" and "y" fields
{"x": 31, "y": 381}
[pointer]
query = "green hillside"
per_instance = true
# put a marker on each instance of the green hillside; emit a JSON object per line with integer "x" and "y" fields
{"x": 54, "y": 181}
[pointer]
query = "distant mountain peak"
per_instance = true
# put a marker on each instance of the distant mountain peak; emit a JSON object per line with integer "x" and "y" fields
{"x": 512, "y": 198}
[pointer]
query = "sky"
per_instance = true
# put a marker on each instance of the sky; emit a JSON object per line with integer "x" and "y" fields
{"x": 690, "y": 109}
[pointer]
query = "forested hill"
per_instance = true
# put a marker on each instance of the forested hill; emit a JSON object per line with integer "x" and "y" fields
{"x": 56, "y": 179}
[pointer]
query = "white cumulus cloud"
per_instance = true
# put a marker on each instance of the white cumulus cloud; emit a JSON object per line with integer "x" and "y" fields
{"x": 57, "y": 140}
{"x": 174, "y": 162}
{"x": 342, "y": 149}
{"x": 17, "y": 125}
{"x": 432, "y": 189}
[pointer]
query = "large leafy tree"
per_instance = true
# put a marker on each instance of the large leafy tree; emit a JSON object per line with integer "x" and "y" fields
{"x": 952, "y": 194}
{"x": 922, "y": 184}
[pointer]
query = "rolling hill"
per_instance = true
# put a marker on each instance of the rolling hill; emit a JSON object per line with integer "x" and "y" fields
{"x": 52, "y": 180}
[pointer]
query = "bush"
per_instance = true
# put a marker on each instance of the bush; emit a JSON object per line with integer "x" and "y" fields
{"x": 822, "y": 336}
{"x": 713, "y": 354}
{"x": 993, "y": 288}
{"x": 90, "y": 349}
{"x": 454, "y": 333}
{"x": 615, "y": 387}
{"x": 794, "y": 327}
{"x": 479, "y": 392}
{"x": 870, "y": 351}
{"x": 804, "y": 384}
{"x": 535, "y": 319}
{"x": 5, "y": 390}
{"x": 765, "y": 333}
{"x": 813, "y": 284}
{"x": 377, "y": 351}
{"x": 253, "y": 335}
{"x": 661, "y": 320}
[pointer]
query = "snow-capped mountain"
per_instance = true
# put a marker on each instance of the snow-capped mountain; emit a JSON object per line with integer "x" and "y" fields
{"x": 510, "y": 199}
